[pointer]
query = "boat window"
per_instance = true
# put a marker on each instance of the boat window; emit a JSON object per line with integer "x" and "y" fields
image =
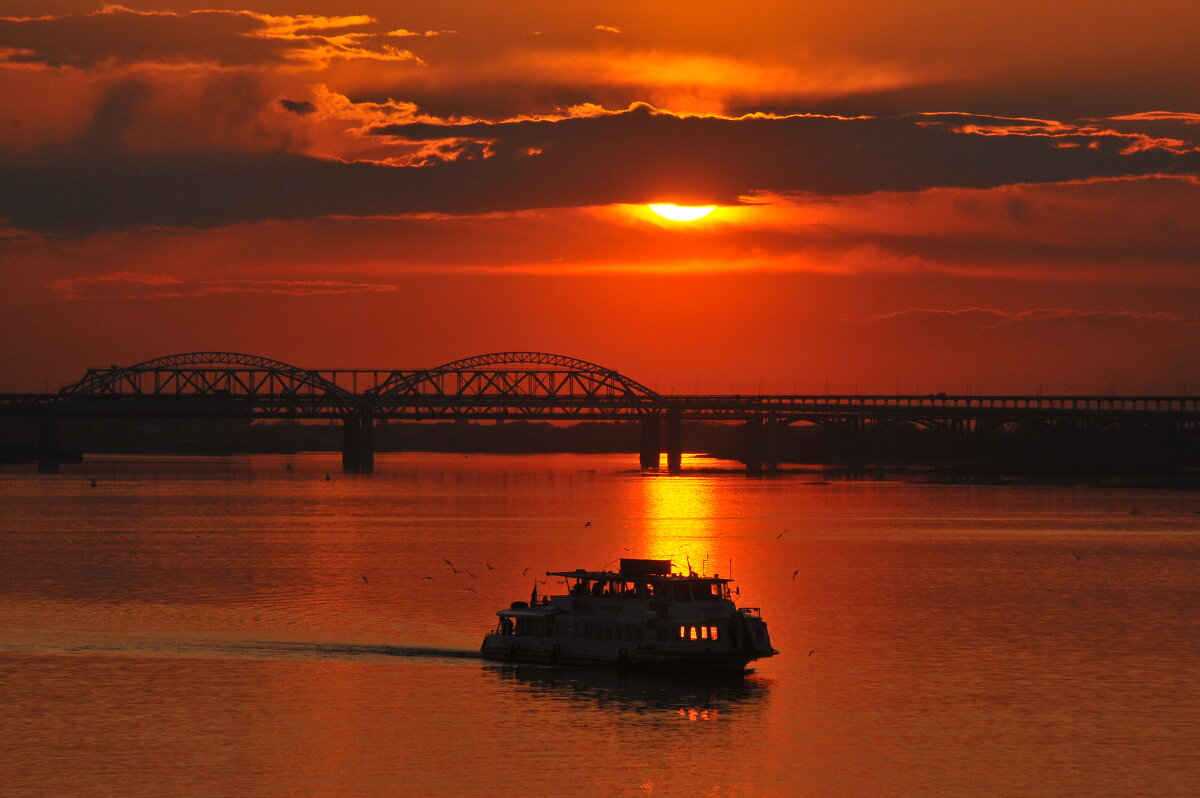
{"x": 691, "y": 633}
{"x": 703, "y": 632}
{"x": 712, "y": 633}
{"x": 680, "y": 592}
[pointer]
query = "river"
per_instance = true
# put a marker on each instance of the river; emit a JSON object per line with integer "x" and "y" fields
{"x": 247, "y": 626}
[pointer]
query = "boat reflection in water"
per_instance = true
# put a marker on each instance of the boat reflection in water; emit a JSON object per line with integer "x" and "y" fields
{"x": 642, "y": 616}
{"x": 695, "y": 696}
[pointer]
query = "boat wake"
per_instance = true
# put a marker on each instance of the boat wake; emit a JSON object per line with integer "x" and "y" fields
{"x": 115, "y": 645}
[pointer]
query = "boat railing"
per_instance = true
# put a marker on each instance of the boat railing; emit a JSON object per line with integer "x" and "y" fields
{"x": 755, "y": 611}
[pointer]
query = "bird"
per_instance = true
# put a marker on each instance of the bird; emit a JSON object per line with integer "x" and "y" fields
{"x": 489, "y": 565}
{"x": 781, "y": 534}
{"x": 524, "y": 572}
{"x": 429, "y": 577}
{"x": 456, "y": 570}
{"x": 364, "y": 580}
{"x": 814, "y": 651}
{"x": 587, "y": 523}
{"x": 473, "y": 576}
{"x": 794, "y": 574}
{"x": 473, "y": 590}
{"x": 1076, "y": 556}
{"x": 447, "y": 562}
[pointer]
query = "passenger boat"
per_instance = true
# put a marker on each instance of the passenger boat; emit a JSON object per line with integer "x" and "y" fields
{"x": 642, "y": 616}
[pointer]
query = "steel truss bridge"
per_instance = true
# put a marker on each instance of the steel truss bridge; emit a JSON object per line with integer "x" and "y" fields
{"x": 540, "y": 386}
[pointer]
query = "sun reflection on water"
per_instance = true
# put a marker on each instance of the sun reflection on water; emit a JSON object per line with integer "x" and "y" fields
{"x": 679, "y": 515}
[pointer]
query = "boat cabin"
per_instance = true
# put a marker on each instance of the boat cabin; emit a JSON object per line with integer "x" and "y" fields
{"x": 644, "y": 579}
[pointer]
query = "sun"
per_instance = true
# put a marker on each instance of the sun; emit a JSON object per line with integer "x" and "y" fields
{"x": 682, "y": 213}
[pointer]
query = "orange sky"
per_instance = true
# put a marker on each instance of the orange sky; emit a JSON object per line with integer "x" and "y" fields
{"x": 913, "y": 196}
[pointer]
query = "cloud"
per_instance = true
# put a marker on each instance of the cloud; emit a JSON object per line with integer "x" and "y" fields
{"x": 1154, "y": 116}
{"x": 301, "y": 107}
{"x": 635, "y": 156}
{"x": 982, "y": 319}
{"x": 140, "y": 285}
{"x": 116, "y": 36}
{"x": 403, "y": 34}
{"x": 607, "y": 29}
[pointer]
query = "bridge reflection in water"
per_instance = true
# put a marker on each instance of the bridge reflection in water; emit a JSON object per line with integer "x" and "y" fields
{"x": 541, "y": 386}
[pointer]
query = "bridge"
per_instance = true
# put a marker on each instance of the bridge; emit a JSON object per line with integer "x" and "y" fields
{"x": 540, "y": 386}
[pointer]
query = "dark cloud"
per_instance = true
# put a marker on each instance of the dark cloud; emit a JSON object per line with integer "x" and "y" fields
{"x": 115, "y": 36}
{"x": 718, "y": 159}
{"x": 990, "y": 319}
{"x": 636, "y": 156}
{"x": 137, "y": 285}
{"x": 301, "y": 107}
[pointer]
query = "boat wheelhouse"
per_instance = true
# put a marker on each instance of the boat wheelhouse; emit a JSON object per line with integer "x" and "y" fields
{"x": 640, "y": 616}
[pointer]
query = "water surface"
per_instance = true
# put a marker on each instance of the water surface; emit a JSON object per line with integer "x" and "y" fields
{"x": 243, "y": 626}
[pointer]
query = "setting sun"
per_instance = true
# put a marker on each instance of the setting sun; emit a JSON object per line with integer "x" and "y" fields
{"x": 682, "y": 213}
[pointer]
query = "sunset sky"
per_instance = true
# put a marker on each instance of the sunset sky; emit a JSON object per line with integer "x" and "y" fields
{"x": 913, "y": 196}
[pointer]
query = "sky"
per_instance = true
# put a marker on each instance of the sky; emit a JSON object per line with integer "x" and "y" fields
{"x": 911, "y": 197}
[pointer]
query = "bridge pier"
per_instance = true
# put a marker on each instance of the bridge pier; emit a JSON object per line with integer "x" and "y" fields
{"x": 358, "y": 443}
{"x": 651, "y": 448}
{"x": 674, "y": 439}
{"x": 774, "y": 432}
{"x": 47, "y": 445}
{"x": 753, "y": 450}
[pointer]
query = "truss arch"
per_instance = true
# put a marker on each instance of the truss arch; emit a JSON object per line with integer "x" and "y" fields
{"x": 535, "y": 372}
{"x": 134, "y": 378}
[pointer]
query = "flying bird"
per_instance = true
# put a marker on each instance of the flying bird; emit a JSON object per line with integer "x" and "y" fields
{"x": 489, "y": 565}
{"x": 364, "y": 580}
{"x": 447, "y": 562}
{"x": 587, "y": 523}
{"x": 525, "y": 571}
{"x": 429, "y": 577}
{"x": 781, "y": 534}
{"x": 794, "y": 574}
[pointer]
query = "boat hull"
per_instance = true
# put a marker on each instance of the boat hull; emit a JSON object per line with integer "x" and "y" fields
{"x": 499, "y": 649}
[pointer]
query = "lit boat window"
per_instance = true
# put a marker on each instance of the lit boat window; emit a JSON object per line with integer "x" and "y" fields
{"x": 712, "y": 633}
{"x": 692, "y": 632}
